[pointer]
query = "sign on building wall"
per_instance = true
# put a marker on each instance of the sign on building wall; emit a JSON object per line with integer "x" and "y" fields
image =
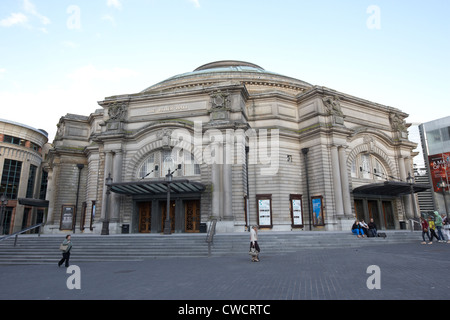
{"x": 264, "y": 203}
{"x": 439, "y": 166}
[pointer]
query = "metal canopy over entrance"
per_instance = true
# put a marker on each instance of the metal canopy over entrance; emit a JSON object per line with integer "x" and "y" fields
{"x": 390, "y": 188}
{"x": 33, "y": 202}
{"x": 158, "y": 187}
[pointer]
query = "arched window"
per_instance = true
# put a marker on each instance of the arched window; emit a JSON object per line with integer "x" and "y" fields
{"x": 163, "y": 160}
{"x": 368, "y": 166}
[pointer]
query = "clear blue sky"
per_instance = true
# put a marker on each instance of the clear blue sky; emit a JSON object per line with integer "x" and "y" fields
{"x": 59, "y": 57}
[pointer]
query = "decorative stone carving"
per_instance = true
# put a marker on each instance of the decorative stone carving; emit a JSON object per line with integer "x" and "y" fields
{"x": 220, "y": 100}
{"x": 333, "y": 108}
{"x": 165, "y": 135}
{"x": 117, "y": 110}
{"x": 370, "y": 142}
{"x": 60, "y": 131}
{"x": 220, "y": 106}
{"x": 398, "y": 124}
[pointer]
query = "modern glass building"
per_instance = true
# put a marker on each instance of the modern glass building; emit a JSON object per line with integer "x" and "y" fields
{"x": 23, "y": 180}
{"x": 435, "y": 137}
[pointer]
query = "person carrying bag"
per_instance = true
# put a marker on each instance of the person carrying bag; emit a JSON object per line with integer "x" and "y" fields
{"x": 65, "y": 248}
{"x": 254, "y": 247}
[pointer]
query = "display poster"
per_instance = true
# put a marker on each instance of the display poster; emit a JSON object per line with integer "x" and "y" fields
{"x": 317, "y": 209}
{"x": 439, "y": 163}
{"x": 296, "y": 211}
{"x": 67, "y": 213}
{"x": 264, "y": 212}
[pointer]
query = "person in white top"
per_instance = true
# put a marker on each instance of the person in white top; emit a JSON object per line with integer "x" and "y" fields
{"x": 254, "y": 242}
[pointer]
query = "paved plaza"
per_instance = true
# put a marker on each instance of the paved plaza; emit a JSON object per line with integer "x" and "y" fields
{"x": 405, "y": 271}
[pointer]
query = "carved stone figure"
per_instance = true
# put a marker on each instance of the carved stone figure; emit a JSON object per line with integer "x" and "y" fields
{"x": 333, "y": 106}
{"x": 397, "y": 123}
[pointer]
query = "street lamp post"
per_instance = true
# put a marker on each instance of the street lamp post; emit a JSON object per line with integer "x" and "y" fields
{"x": 3, "y": 203}
{"x": 105, "y": 227}
{"x": 80, "y": 166}
{"x": 169, "y": 175}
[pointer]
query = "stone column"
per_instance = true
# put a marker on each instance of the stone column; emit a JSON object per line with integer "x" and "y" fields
{"x": 415, "y": 211}
{"x": 117, "y": 177}
{"x": 227, "y": 183}
{"x": 215, "y": 182}
{"x": 406, "y": 199}
{"x": 336, "y": 176}
{"x": 50, "y": 196}
{"x": 107, "y": 171}
{"x": 344, "y": 181}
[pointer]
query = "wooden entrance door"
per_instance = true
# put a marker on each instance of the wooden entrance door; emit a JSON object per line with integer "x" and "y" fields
{"x": 145, "y": 217}
{"x": 172, "y": 215}
{"x": 375, "y": 213}
{"x": 388, "y": 214}
{"x": 192, "y": 216}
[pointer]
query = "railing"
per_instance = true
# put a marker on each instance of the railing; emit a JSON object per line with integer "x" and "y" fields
{"x": 412, "y": 224}
{"x": 210, "y": 235}
{"x": 16, "y": 234}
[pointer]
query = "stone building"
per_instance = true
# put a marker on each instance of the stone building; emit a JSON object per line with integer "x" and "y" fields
{"x": 23, "y": 181}
{"x": 238, "y": 144}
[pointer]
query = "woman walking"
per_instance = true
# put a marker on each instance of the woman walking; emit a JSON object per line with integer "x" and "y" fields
{"x": 432, "y": 228}
{"x": 65, "y": 248}
{"x": 254, "y": 243}
{"x": 425, "y": 230}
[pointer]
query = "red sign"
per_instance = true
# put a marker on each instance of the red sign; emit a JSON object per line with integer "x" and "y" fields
{"x": 439, "y": 166}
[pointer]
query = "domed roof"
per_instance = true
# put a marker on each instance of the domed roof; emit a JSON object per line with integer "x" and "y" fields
{"x": 227, "y": 70}
{"x": 228, "y": 64}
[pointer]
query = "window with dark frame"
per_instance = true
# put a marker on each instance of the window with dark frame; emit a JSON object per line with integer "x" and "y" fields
{"x": 31, "y": 180}
{"x": 11, "y": 178}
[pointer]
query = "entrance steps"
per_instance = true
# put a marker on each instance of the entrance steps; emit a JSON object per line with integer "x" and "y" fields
{"x": 44, "y": 249}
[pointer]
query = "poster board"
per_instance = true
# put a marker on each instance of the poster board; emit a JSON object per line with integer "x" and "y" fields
{"x": 439, "y": 164}
{"x": 67, "y": 214}
{"x": 317, "y": 210}
{"x": 296, "y": 210}
{"x": 264, "y": 210}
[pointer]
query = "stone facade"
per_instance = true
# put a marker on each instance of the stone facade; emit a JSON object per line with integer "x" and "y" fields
{"x": 267, "y": 149}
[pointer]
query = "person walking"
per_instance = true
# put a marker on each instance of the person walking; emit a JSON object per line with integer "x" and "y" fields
{"x": 438, "y": 223}
{"x": 65, "y": 248}
{"x": 424, "y": 224}
{"x": 254, "y": 243}
{"x": 446, "y": 223}
{"x": 432, "y": 229}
